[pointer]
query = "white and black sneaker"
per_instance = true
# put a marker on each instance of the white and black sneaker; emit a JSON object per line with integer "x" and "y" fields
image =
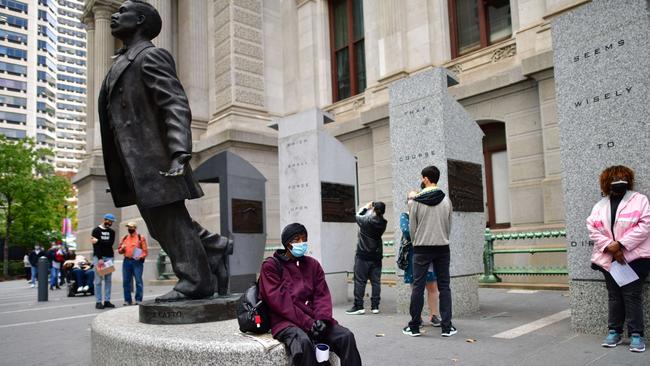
{"x": 413, "y": 332}
{"x": 449, "y": 332}
{"x": 356, "y": 310}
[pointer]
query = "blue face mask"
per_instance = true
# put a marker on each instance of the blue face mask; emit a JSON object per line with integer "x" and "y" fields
{"x": 299, "y": 249}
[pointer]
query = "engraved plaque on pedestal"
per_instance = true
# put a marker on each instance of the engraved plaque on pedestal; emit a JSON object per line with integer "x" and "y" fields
{"x": 465, "y": 186}
{"x": 247, "y": 216}
{"x": 338, "y": 203}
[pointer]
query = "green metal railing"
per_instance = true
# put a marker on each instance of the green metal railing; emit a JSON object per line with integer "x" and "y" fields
{"x": 491, "y": 272}
{"x": 161, "y": 266}
{"x": 387, "y": 244}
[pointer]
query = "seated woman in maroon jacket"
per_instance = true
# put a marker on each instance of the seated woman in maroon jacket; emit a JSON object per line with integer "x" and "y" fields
{"x": 300, "y": 304}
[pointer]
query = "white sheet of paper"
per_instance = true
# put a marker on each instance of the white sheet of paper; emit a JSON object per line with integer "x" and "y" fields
{"x": 622, "y": 273}
{"x": 137, "y": 252}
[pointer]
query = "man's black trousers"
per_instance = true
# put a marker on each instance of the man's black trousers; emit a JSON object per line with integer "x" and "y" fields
{"x": 302, "y": 351}
{"x": 422, "y": 258}
{"x": 174, "y": 229}
{"x": 364, "y": 269}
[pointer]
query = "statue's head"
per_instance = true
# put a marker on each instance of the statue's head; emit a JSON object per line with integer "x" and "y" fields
{"x": 133, "y": 17}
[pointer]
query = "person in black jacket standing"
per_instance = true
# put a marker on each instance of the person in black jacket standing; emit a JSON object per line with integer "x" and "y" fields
{"x": 103, "y": 238}
{"x": 367, "y": 262}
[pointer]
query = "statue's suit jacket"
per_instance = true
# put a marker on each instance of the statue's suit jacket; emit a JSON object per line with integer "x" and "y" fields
{"x": 145, "y": 120}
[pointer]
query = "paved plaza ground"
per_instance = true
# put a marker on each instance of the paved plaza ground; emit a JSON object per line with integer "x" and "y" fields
{"x": 533, "y": 329}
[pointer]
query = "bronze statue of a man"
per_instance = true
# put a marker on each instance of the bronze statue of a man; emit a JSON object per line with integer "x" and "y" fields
{"x": 145, "y": 123}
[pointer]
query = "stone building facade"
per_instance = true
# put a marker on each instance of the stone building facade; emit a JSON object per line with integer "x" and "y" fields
{"x": 245, "y": 63}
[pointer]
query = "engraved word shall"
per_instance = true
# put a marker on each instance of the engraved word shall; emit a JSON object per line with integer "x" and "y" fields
{"x": 299, "y": 142}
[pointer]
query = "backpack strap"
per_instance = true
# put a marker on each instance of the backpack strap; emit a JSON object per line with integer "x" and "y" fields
{"x": 278, "y": 265}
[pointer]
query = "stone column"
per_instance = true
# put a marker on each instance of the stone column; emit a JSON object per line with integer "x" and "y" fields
{"x": 90, "y": 83}
{"x": 193, "y": 60}
{"x": 91, "y": 179}
{"x": 103, "y": 50}
{"x": 165, "y": 38}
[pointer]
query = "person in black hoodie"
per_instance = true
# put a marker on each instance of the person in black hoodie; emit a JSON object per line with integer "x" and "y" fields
{"x": 367, "y": 262}
{"x": 430, "y": 225}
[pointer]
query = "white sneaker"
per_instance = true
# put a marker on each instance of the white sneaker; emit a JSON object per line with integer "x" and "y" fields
{"x": 80, "y": 289}
{"x": 450, "y": 332}
{"x": 86, "y": 288}
{"x": 32, "y": 285}
{"x": 375, "y": 311}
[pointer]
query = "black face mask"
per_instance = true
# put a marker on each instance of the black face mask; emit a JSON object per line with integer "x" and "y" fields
{"x": 131, "y": 231}
{"x": 422, "y": 186}
{"x": 619, "y": 188}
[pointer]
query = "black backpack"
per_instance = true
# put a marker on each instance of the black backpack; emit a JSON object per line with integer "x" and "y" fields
{"x": 403, "y": 255}
{"x": 252, "y": 313}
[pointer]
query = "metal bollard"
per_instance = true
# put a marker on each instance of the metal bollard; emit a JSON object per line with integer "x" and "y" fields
{"x": 43, "y": 269}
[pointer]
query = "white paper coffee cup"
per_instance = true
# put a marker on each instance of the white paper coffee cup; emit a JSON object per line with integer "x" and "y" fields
{"x": 322, "y": 352}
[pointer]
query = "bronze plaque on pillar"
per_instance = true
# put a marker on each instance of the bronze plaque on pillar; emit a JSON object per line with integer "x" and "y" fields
{"x": 338, "y": 203}
{"x": 247, "y": 216}
{"x": 465, "y": 185}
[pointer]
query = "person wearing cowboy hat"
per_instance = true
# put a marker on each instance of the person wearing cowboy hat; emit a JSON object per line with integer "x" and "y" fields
{"x": 134, "y": 248}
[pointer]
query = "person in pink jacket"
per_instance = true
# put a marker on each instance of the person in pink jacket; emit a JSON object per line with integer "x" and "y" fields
{"x": 619, "y": 226}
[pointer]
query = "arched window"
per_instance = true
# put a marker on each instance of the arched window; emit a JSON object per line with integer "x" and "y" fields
{"x": 497, "y": 178}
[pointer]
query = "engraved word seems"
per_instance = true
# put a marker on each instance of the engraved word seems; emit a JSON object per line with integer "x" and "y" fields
{"x": 597, "y": 51}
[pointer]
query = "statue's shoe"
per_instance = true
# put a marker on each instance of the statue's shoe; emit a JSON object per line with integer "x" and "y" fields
{"x": 172, "y": 295}
{"x": 217, "y": 244}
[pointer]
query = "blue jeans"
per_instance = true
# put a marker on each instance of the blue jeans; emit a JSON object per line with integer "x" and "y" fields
{"x": 84, "y": 278}
{"x": 98, "y": 283}
{"x": 54, "y": 277}
{"x": 132, "y": 268}
{"x": 34, "y": 275}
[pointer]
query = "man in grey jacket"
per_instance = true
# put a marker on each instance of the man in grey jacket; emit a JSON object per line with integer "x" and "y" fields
{"x": 430, "y": 225}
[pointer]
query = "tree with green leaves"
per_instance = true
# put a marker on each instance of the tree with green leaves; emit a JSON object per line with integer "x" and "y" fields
{"x": 31, "y": 195}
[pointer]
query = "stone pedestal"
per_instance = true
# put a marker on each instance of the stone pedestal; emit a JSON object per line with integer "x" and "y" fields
{"x": 118, "y": 338}
{"x": 318, "y": 189}
{"x": 428, "y": 127}
{"x": 190, "y": 311}
{"x": 601, "y": 81}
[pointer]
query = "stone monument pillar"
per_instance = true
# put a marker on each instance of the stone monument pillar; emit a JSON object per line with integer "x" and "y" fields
{"x": 428, "y": 127}
{"x": 318, "y": 189}
{"x": 242, "y": 213}
{"x": 601, "y": 82}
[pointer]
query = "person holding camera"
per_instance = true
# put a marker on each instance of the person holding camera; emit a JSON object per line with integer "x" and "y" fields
{"x": 367, "y": 262}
